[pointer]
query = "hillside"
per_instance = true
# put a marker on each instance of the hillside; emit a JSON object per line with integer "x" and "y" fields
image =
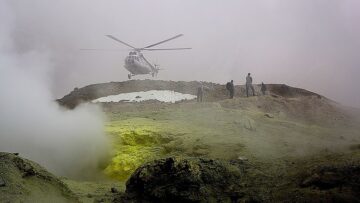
{"x": 22, "y": 180}
{"x": 287, "y": 129}
{"x": 216, "y": 92}
{"x": 290, "y": 145}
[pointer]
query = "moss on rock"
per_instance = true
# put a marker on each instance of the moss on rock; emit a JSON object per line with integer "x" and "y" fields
{"x": 178, "y": 179}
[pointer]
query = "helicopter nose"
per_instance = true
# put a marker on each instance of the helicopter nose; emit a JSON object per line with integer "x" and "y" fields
{"x": 129, "y": 60}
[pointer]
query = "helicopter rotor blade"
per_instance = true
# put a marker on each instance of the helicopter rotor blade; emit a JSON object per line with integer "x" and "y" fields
{"x": 163, "y": 41}
{"x": 116, "y": 39}
{"x": 165, "y": 49}
{"x": 103, "y": 50}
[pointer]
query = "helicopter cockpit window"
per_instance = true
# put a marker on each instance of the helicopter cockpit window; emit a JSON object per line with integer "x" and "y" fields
{"x": 130, "y": 59}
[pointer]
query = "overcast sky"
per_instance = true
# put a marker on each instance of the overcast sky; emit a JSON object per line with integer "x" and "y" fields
{"x": 311, "y": 44}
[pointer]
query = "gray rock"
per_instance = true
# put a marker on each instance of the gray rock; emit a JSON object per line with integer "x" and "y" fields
{"x": 2, "y": 182}
{"x": 176, "y": 179}
{"x": 241, "y": 158}
{"x": 269, "y": 115}
{"x": 249, "y": 124}
{"x": 114, "y": 190}
{"x": 25, "y": 167}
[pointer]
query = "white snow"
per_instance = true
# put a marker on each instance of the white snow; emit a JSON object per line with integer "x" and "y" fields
{"x": 160, "y": 95}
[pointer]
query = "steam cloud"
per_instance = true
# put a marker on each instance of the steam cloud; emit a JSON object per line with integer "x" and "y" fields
{"x": 311, "y": 44}
{"x": 31, "y": 123}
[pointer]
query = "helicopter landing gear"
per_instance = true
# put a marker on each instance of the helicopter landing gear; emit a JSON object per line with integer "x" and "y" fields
{"x": 129, "y": 76}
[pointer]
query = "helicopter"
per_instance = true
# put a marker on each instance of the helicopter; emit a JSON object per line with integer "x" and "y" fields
{"x": 137, "y": 64}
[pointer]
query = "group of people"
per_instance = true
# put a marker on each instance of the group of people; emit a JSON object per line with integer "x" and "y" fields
{"x": 248, "y": 86}
{"x": 231, "y": 88}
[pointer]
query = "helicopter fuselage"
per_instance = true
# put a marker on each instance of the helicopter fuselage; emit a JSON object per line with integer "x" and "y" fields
{"x": 136, "y": 65}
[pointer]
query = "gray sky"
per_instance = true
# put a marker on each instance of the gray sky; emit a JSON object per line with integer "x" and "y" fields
{"x": 312, "y": 44}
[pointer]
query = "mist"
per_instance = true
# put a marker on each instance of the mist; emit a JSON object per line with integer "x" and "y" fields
{"x": 278, "y": 144}
{"x": 68, "y": 143}
{"x": 307, "y": 44}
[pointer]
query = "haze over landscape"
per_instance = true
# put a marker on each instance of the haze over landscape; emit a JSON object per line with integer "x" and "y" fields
{"x": 74, "y": 128}
{"x": 308, "y": 44}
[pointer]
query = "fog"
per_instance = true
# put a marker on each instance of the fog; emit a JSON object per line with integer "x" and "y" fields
{"x": 312, "y": 44}
{"x": 70, "y": 143}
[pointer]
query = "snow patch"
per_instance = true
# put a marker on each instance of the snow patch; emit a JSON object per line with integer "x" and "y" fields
{"x": 160, "y": 95}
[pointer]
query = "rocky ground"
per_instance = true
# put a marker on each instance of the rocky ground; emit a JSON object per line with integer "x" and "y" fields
{"x": 290, "y": 145}
{"x": 215, "y": 92}
{"x": 22, "y": 180}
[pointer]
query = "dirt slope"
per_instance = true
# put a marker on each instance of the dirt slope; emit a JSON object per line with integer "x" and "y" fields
{"x": 216, "y": 92}
{"x": 292, "y": 140}
{"x": 22, "y": 180}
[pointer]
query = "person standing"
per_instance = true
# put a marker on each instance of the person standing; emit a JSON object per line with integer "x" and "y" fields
{"x": 249, "y": 85}
{"x": 263, "y": 88}
{"x": 230, "y": 87}
{"x": 200, "y": 93}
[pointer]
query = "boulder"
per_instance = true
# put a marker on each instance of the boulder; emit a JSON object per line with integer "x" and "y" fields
{"x": 328, "y": 177}
{"x": 334, "y": 183}
{"x": 177, "y": 179}
{"x": 269, "y": 115}
{"x": 249, "y": 124}
{"x": 2, "y": 182}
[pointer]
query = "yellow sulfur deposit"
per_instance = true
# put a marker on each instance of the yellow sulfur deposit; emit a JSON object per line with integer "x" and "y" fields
{"x": 135, "y": 141}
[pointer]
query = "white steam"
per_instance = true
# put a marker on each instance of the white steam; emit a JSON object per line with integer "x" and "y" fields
{"x": 31, "y": 123}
